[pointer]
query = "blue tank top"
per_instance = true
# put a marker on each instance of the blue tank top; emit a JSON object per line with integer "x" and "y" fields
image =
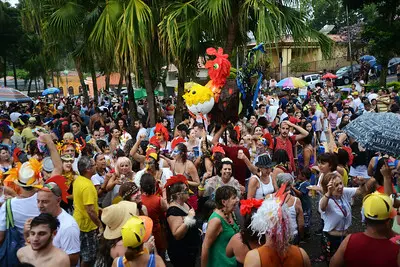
{"x": 150, "y": 263}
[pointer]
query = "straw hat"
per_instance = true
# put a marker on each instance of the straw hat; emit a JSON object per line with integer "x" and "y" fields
{"x": 115, "y": 216}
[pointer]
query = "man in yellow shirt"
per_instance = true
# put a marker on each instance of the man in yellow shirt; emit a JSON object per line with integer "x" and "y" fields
{"x": 27, "y": 134}
{"x": 86, "y": 211}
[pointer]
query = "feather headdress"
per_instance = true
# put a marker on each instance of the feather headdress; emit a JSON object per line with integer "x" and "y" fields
{"x": 273, "y": 219}
{"x": 161, "y": 129}
{"x": 27, "y": 174}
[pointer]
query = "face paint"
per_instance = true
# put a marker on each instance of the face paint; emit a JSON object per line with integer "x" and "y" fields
{"x": 176, "y": 152}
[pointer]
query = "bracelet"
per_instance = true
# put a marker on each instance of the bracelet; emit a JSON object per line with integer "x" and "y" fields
{"x": 189, "y": 221}
{"x": 201, "y": 188}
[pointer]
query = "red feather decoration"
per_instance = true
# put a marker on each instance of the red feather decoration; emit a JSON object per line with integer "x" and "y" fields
{"x": 61, "y": 182}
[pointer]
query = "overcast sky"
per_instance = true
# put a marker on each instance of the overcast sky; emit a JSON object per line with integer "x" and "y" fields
{"x": 12, "y": 2}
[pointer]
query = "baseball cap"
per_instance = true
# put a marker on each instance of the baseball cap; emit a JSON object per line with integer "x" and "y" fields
{"x": 355, "y": 93}
{"x": 378, "y": 206}
{"x": 15, "y": 116}
{"x": 135, "y": 231}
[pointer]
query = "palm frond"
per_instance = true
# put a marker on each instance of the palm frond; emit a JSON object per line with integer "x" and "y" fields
{"x": 66, "y": 20}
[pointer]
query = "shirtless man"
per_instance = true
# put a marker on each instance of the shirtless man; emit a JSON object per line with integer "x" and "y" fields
{"x": 41, "y": 251}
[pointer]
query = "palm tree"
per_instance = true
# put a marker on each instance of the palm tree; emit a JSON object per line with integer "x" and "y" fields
{"x": 126, "y": 31}
{"x": 269, "y": 20}
{"x": 180, "y": 33}
{"x": 71, "y": 22}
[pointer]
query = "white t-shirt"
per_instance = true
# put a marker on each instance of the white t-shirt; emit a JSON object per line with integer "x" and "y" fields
{"x": 97, "y": 179}
{"x": 22, "y": 210}
{"x": 318, "y": 123}
{"x": 67, "y": 237}
{"x": 333, "y": 216}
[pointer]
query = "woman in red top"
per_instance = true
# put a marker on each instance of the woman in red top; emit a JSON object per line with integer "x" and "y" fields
{"x": 156, "y": 208}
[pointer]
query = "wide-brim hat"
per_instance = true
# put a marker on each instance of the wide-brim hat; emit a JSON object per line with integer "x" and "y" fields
{"x": 115, "y": 216}
{"x": 264, "y": 161}
{"x": 29, "y": 174}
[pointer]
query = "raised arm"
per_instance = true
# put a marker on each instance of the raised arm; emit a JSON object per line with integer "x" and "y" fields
{"x": 253, "y": 169}
{"x": 302, "y": 132}
{"x": 218, "y": 135}
{"x": 55, "y": 157}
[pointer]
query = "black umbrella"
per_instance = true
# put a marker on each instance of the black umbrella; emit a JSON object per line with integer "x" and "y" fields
{"x": 377, "y": 132}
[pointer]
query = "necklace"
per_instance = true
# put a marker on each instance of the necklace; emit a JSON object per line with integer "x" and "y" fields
{"x": 182, "y": 207}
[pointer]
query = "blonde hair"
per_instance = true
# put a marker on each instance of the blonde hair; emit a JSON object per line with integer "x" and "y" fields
{"x": 327, "y": 178}
{"x": 68, "y": 137}
{"x": 120, "y": 161}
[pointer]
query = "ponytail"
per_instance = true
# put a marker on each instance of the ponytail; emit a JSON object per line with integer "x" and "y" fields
{"x": 133, "y": 253}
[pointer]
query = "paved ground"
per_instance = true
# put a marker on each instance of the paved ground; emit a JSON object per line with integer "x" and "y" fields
{"x": 313, "y": 245}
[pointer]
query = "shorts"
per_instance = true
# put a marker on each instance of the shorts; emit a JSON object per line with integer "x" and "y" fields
{"x": 330, "y": 245}
{"x": 89, "y": 244}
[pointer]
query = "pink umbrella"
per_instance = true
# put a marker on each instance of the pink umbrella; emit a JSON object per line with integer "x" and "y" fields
{"x": 329, "y": 76}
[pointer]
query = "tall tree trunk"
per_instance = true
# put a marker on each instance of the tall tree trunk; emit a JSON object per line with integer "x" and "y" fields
{"x": 232, "y": 28}
{"x": 5, "y": 70}
{"x": 151, "y": 100}
{"x": 15, "y": 76}
{"x": 230, "y": 41}
{"x": 78, "y": 66}
{"x": 29, "y": 86}
{"x": 107, "y": 74}
{"x": 44, "y": 77}
{"x": 58, "y": 79}
{"x": 120, "y": 83}
{"x": 94, "y": 81}
{"x": 179, "y": 101}
{"x": 36, "y": 87}
{"x": 383, "y": 75}
{"x": 131, "y": 97}
{"x": 52, "y": 79}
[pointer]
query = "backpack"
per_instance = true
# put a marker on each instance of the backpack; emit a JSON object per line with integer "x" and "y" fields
{"x": 13, "y": 240}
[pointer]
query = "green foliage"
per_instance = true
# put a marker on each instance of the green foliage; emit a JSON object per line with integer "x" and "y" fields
{"x": 21, "y": 74}
{"x": 395, "y": 85}
{"x": 298, "y": 66}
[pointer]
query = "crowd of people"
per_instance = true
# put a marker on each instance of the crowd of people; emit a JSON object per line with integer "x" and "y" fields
{"x": 87, "y": 185}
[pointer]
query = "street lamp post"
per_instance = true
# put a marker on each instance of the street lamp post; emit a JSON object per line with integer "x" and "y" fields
{"x": 66, "y": 79}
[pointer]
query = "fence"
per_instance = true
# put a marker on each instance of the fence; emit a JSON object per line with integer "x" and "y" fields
{"x": 330, "y": 65}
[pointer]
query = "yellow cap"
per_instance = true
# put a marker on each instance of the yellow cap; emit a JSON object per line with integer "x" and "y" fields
{"x": 378, "y": 206}
{"x": 133, "y": 232}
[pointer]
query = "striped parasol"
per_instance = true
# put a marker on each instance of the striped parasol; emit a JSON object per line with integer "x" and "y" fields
{"x": 12, "y": 95}
{"x": 292, "y": 82}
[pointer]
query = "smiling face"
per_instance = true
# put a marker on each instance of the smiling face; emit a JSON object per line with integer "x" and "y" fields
{"x": 67, "y": 165}
{"x": 124, "y": 168}
{"x": 258, "y": 131}
{"x": 226, "y": 172}
{"x": 338, "y": 186}
{"x": 192, "y": 134}
{"x": 102, "y": 131}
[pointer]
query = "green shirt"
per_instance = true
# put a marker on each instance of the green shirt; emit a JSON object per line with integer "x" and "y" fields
{"x": 217, "y": 255}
